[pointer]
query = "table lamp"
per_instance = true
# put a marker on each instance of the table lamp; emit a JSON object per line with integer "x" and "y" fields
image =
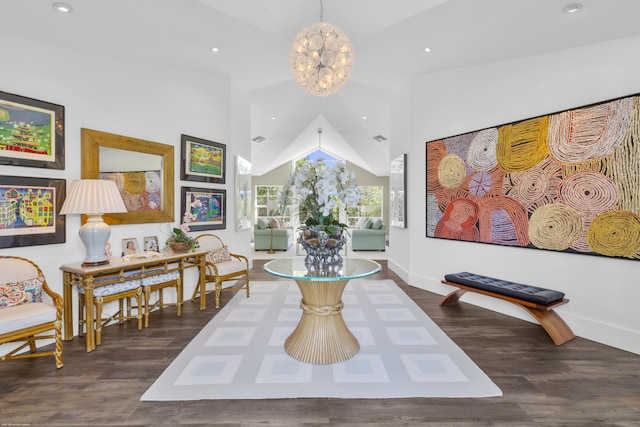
{"x": 94, "y": 197}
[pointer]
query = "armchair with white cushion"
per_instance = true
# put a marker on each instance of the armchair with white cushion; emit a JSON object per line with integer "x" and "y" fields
{"x": 29, "y": 310}
{"x": 222, "y": 266}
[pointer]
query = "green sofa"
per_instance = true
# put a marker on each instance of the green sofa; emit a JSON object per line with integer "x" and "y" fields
{"x": 282, "y": 238}
{"x": 371, "y": 235}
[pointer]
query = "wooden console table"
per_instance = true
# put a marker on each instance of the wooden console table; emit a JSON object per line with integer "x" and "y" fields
{"x": 116, "y": 271}
{"x": 322, "y": 336}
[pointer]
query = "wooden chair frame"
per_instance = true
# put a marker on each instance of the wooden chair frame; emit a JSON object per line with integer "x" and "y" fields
{"x": 212, "y": 275}
{"x": 177, "y": 284}
{"x": 29, "y": 336}
{"x": 120, "y": 316}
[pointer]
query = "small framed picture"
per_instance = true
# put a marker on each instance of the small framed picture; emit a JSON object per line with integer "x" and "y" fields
{"x": 31, "y": 131}
{"x": 30, "y": 210}
{"x": 208, "y": 207}
{"x": 129, "y": 246}
{"x": 151, "y": 243}
{"x": 202, "y": 160}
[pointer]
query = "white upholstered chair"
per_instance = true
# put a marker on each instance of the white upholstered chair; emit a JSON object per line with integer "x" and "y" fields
{"x": 29, "y": 310}
{"x": 221, "y": 266}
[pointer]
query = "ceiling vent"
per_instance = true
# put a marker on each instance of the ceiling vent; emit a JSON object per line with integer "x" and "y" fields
{"x": 258, "y": 139}
{"x": 379, "y": 138}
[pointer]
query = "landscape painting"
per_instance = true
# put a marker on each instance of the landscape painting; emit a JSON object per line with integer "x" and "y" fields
{"x": 31, "y": 132}
{"x": 202, "y": 160}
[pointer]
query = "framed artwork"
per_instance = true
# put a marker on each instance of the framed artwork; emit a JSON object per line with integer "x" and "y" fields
{"x": 31, "y": 132}
{"x": 208, "y": 208}
{"x": 30, "y": 211}
{"x": 243, "y": 193}
{"x": 129, "y": 246}
{"x": 151, "y": 244}
{"x": 397, "y": 191}
{"x": 567, "y": 181}
{"x": 202, "y": 160}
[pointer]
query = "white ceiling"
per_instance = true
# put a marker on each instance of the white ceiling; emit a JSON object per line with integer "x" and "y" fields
{"x": 255, "y": 36}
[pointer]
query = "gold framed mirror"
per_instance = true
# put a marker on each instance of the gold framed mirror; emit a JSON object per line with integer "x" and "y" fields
{"x": 143, "y": 171}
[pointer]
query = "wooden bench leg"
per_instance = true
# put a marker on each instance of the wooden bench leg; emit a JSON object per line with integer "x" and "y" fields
{"x": 453, "y": 297}
{"x": 552, "y": 323}
{"x": 557, "y": 329}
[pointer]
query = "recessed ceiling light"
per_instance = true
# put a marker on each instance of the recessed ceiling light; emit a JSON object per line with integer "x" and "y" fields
{"x": 215, "y": 49}
{"x": 572, "y": 8}
{"x": 427, "y": 50}
{"x": 364, "y": 117}
{"x": 274, "y": 117}
{"x": 63, "y": 7}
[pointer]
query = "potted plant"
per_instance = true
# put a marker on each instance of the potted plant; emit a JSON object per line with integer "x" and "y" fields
{"x": 180, "y": 240}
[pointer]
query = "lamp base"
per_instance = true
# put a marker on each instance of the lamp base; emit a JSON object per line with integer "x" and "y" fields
{"x": 95, "y": 263}
{"x": 95, "y": 235}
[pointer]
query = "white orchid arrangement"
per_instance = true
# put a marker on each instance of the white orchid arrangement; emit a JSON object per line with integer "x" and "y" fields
{"x": 320, "y": 189}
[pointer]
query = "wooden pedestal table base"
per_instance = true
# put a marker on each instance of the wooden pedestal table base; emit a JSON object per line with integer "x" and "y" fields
{"x": 322, "y": 337}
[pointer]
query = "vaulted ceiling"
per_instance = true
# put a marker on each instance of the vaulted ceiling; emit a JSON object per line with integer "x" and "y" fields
{"x": 255, "y": 36}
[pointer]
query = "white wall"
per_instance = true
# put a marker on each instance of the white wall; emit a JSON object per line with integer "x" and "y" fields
{"x": 603, "y": 291}
{"x": 399, "y": 252}
{"x": 147, "y": 101}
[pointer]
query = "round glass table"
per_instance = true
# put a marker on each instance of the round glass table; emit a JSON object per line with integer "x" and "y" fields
{"x": 322, "y": 336}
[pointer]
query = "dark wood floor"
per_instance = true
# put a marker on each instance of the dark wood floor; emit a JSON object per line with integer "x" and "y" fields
{"x": 581, "y": 383}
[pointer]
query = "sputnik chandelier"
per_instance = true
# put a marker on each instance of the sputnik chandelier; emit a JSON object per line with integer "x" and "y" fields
{"x": 321, "y": 58}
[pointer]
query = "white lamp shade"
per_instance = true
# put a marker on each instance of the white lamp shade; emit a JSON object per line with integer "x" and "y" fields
{"x": 93, "y": 196}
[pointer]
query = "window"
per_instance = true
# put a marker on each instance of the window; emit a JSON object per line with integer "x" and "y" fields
{"x": 267, "y": 203}
{"x": 370, "y": 205}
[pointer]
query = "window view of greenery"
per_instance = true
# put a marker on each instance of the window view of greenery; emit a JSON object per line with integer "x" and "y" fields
{"x": 370, "y": 205}
{"x": 267, "y": 203}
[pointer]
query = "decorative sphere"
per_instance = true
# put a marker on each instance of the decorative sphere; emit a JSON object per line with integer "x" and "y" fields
{"x": 321, "y": 59}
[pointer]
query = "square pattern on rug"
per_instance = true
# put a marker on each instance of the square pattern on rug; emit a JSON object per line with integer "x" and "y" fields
{"x": 240, "y": 353}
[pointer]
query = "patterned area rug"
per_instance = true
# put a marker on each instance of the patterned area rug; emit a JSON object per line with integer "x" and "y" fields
{"x": 240, "y": 353}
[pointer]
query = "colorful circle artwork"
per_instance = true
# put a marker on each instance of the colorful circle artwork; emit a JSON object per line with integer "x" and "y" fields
{"x": 555, "y": 227}
{"x": 615, "y": 233}
{"x": 480, "y": 183}
{"x": 522, "y": 145}
{"x": 451, "y": 171}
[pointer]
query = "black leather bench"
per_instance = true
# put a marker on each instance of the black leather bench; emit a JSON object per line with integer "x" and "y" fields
{"x": 538, "y": 301}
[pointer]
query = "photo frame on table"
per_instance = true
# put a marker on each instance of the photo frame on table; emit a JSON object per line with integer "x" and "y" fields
{"x": 31, "y": 132}
{"x": 129, "y": 246}
{"x": 30, "y": 211}
{"x": 243, "y": 193}
{"x": 151, "y": 244}
{"x": 207, "y": 206}
{"x": 202, "y": 160}
{"x": 397, "y": 191}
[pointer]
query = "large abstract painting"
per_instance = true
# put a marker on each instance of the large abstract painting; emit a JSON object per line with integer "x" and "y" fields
{"x": 568, "y": 181}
